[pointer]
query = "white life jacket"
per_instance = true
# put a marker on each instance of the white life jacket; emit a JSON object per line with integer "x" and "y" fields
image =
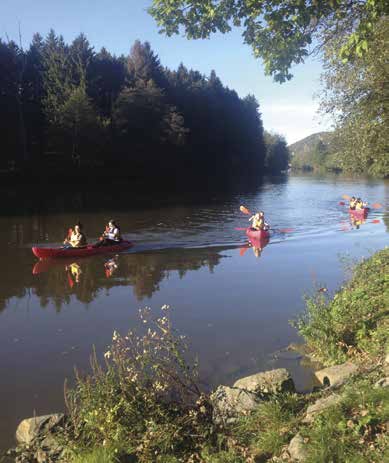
{"x": 113, "y": 234}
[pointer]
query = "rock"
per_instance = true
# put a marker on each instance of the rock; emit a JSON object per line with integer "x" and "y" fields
{"x": 336, "y": 375}
{"x": 297, "y": 449}
{"x": 267, "y": 382}
{"x": 319, "y": 406}
{"x": 30, "y": 428}
{"x": 383, "y": 382}
{"x": 229, "y": 402}
{"x": 41, "y": 456}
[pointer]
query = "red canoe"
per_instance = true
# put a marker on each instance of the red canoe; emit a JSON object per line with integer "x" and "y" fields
{"x": 359, "y": 213}
{"x": 46, "y": 253}
{"x": 257, "y": 234}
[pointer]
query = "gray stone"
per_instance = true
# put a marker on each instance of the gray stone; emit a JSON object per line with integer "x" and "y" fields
{"x": 383, "y": 382}
{"x": 267, "y": 382}
{"x": 30, "y": 428}
{"x": 336, "y": 375}
{"x": 297, "y": 449}
{"x": 319, "y": 406}
{"x": 229, "y": 402}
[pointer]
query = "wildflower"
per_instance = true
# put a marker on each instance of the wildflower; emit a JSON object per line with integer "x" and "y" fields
{"x": 108, "y": 354}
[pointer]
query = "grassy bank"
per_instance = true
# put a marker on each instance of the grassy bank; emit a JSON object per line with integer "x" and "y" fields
{"x": 144, "y": 404}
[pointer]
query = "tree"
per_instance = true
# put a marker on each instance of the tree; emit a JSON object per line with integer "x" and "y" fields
{"x": 279, "y": 32}
{"x": 11, "y": 116}
{"x": 57, "y": 80}
{"x": 144, "y": 65}
{"x": 80, "y": 58}
{"x": 80, "y": 124}
{"x": 277, "y": 153}
{"x": 106, "y": 80}
{"x": 356, "y": 93}
{"x": 33, "y": 95}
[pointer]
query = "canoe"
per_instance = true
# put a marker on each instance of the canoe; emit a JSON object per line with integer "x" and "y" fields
{"x": 359, "y": 213}
{"x": 47, "y": 253}
{"x": 257, "y": 234}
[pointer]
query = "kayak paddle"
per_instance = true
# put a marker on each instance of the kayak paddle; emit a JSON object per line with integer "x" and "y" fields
{"x": 346, "y": 197}
{"x": 376, "y": 206}
{"x": 245, "y": 210}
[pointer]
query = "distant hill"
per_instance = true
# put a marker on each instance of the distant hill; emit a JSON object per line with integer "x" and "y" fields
{"x": 307, "y": 144}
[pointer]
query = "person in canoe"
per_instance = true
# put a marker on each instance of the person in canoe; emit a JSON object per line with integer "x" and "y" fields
{"x": 353, "y": 203}
{"x": 359, "y": 205}
{"x": 258, "y": 221}
{"x": 76, "y": 238}
{"x": 110, "y": 236}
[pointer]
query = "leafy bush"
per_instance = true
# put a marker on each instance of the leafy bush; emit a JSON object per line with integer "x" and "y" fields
{"x": 354, "y": 323}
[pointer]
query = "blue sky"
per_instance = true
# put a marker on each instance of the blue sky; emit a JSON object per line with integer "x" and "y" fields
{"x": 288, "y": 109}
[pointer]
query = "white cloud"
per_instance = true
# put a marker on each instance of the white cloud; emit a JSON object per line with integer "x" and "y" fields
{"x": 293, "y": 120}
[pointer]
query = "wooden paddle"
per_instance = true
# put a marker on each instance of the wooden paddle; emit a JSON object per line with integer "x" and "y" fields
{"x": 346, "y": 197}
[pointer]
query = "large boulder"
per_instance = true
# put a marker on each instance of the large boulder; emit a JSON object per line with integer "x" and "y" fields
{"x": 230, "y": 402}
{"x": 267, "y": 382}
{"x": 319, "y": 406}
{"x": 32, "y": 428}
{"x": 336, "y": 375}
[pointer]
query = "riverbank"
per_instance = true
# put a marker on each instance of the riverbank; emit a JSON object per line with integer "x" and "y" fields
{"x": 126, "y": 410}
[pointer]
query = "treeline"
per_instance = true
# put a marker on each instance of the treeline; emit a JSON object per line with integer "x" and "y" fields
{"x": 65, "y": 108}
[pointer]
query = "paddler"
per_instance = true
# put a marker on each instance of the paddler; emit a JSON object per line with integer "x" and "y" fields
{"x": 359, "y": 205}
{"x": 353, "y": 203}
{"x": 110, "y": 236}
{"x": 76, "y": 238}
{"x": 258, "y": 221}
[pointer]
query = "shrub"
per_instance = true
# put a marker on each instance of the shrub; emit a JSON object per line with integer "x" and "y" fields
{"x": 145, "y": 400}
{"x": 355, "y": 321}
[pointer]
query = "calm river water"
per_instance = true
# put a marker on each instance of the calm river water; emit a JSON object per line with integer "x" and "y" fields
{"x": 231, "y": 300}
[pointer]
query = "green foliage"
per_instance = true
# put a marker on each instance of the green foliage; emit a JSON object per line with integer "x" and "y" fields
{"x": 356, "y": 94}
{"x": 270, "y": 426}
{"x": 354, "y": 323}
{"x": 277, "y": 153}
{"x": 98, "y": 455}
{"x": 353, "y": 430}
{"x": 281, "y": 33}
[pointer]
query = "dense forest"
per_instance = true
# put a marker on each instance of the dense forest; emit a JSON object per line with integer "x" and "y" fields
{"x": 67, "y": 110}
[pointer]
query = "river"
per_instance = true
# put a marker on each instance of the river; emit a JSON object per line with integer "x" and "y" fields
{"x": 232, "y": 300}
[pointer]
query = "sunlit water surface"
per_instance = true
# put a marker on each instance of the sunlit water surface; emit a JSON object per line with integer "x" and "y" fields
{"x": 232, "y": 300}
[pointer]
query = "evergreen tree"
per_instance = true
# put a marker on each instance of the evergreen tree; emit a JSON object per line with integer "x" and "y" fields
{"x": 144, "y": 65}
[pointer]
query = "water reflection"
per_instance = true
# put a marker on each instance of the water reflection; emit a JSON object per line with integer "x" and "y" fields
{"x": 257, "y": 245}
{"x": 56, "y": 280}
